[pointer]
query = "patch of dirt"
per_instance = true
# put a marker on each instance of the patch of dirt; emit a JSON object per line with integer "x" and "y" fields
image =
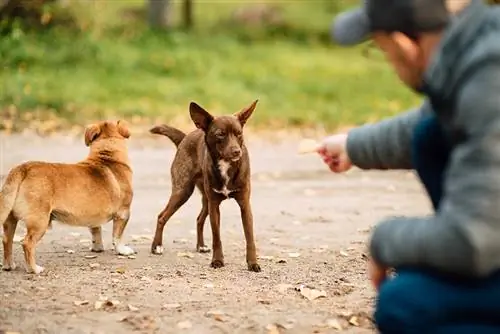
{"x": 311, "y": 228}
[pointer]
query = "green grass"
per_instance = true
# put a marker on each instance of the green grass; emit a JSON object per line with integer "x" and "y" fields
{"x": 114, "y": 66}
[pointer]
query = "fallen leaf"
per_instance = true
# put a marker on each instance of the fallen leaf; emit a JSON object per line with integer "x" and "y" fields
{"x": 311, "y": 293}
{"x": 80, "y": 302}
{"x": 281, "y": 261}
{"x": 266, "y": 257}
{"x": 132, "y": 308}
{"x": 90, "y": 256}
{"x": 344, "y": 253}
{"x": 70, "y": 251}
{"x": 120, "y": 270}
{"x": 131, "y": 257}
{"x": 354, "y": 321}
{"x": 185, "y": 254}
{"x": 334, "y": 323}
{"x": 265, "y": 302}
{"x": 274, "y": 328}
{"x": 171, "y": 306}
{"x": 184, "y": 324}
{"x": 293, "y": 255}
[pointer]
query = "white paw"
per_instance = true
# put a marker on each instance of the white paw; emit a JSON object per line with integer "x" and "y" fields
{"x": 9, "y": 267}
{"x": 124, "y": 250}
{"x": 37, "y": 270}
{"x": 158, "y": 250}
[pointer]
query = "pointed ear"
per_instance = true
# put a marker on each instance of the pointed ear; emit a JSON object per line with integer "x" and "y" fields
{"x": 123, "y": 129}
{"x": 91, "y": 133}
{"x": 200, "y": 116}
{"x": 245, "y": 114}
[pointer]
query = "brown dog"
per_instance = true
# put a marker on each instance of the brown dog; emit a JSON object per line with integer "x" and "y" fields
{"x": 213, "y": 158}
{"x": 89, "y": 193}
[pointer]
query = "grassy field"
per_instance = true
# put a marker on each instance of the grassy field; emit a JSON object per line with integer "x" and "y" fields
{"x": 111, "y": 65}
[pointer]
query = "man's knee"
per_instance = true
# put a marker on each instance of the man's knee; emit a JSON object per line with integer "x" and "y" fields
{"x": 403, "y": 304}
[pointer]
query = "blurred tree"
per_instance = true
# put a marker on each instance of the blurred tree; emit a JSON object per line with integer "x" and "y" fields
{"x": 159, "y": 13}
{"x": 30, "y": 12}
{"x": 187, "y": 14}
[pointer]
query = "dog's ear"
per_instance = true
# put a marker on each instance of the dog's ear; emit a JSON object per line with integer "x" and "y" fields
{"x": 200, "y": 116}
{"x": 245, "y": 114}
{"x": 123, "y": 129}
{"x": 91, "y": 133}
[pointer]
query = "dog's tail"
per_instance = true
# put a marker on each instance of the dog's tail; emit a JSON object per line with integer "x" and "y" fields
{"x": 9, "y": 191}
{"x": 175, "y": 135}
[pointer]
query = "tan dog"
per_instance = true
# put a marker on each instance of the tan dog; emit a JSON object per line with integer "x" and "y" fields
{"x": 89, "y": 193}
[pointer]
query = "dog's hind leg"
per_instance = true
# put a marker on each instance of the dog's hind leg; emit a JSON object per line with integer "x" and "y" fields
{"x": 119, "y": 223}
{"x": 97, "y": 244}
{"x": 36, "y": 225}
{"x": 179, "y": 196}
{"x": 200, "y": 224}
{"x": 9, "y": 229}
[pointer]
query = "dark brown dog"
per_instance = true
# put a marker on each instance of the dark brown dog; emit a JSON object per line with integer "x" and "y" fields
{"x": 213, "y": 158}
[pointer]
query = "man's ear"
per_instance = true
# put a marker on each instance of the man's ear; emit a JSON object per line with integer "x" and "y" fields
{"x": 123, "y": 129}
{"x": 407, "y": 47}
{"x": 201, "y": 118}
{"x": 245, "y": 114}
{"x": 91, "y": 133}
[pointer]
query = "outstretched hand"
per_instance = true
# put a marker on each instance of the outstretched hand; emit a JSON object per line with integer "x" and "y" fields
{"x": 333, "y": 151}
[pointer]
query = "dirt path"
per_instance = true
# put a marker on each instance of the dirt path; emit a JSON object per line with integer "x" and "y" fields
{"x": 310, "y": 225}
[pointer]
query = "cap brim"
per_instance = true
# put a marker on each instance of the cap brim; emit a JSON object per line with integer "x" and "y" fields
{"x": 351, "y": 27}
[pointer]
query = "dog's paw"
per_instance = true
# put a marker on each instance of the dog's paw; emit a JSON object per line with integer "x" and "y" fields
{"x": 217, "y": 264}
{"x": 124, "y": 250}
{"x": 157, "y": 250}
{"x": 203, "y": 249}
{"x": 254, "y": 267}
{"x": 37, "y": 270}
{"x": 9, "y": 266}
{"x": 97, "y": 248}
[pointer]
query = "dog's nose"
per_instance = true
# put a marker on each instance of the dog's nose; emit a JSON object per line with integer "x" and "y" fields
{"x": 235, "y": 152}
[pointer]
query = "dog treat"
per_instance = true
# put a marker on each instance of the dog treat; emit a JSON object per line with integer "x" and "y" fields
{"x": 308, "y": 146}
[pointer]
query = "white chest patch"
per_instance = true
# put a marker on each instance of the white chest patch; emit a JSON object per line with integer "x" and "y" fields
{"x": 223, "y": 168}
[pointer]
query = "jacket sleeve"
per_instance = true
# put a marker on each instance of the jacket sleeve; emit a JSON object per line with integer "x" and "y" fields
{"x": 386, "y": 144}
{"x": 464, "y": 236}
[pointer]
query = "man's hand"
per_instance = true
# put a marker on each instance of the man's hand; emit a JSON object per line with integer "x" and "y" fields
{"x": 376, "y": 273}
{"x": 333, "y": 151}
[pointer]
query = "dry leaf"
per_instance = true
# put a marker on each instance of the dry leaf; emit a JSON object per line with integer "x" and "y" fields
{"x": 120, "y": 270}
{"x": 70, "y": 251}
{"x": 131, "y": 257}
{"x": 171, "y": 306}
{"x": 132, "y": 308}
{"x": 310, "y": 293}
{"x": 274, "y": 328}
{"x": 90, "y": 256}
{"x": 184, "y": 324}
{"x": 104, "y": 302}
{"x": 334, "y": 323}
{"x": 344, "y": 253}
{"x": 185, "y": 254}
{"x": 266, "y": 257}
{"x": 80, "y": 302}
{"x": 293, "y": 255}
{"x": 354, "y": 321}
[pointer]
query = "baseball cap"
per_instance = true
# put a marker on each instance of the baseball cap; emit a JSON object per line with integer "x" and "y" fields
{"x": 406, "y": 16}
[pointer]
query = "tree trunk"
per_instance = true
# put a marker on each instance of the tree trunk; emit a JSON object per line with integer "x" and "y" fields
{"x": 159, "y": 13}
{"x": 187, "y": 14}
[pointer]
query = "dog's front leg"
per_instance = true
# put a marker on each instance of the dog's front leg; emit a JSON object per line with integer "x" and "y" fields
{"x": 97, "y": 244}
{"x": 247, "y": 220}
{"x": 214, "y": 213}
{"x": 119, "y": 223}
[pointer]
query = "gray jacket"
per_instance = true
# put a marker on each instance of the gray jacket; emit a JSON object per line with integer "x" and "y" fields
{"x": 463, "y": 90}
